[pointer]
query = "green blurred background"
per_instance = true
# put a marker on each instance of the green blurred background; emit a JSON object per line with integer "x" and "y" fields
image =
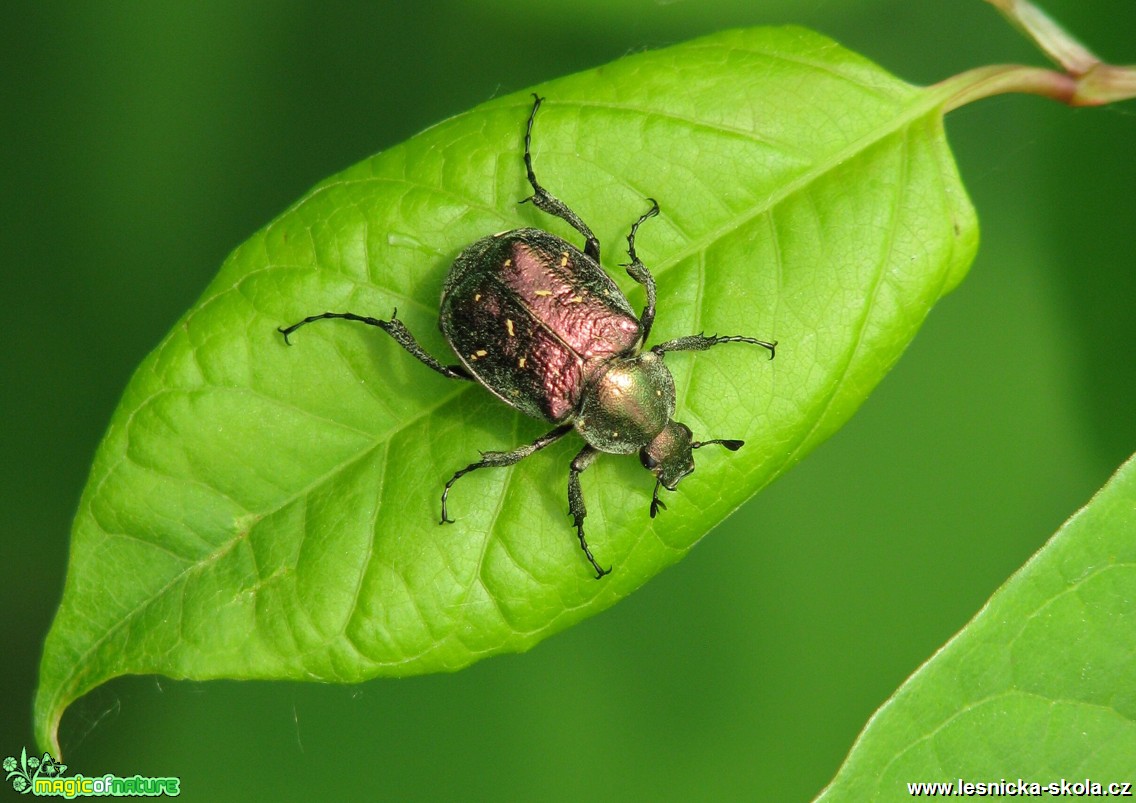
{"x": 143, "y": 141}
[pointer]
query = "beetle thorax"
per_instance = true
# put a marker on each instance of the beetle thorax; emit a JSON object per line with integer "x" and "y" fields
{"x": 627, "y": 405}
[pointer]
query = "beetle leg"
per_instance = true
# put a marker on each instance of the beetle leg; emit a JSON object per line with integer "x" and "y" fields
{"x": 395, "y": 328}
{"x": 701, "y": 342}
{"x": 502, "y": 459}
{"x": 543, "y": 200}
{"x": 576, "y": 508}
{"x": 638, "y": 271}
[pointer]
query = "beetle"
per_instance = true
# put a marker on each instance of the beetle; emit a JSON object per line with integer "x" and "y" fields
{"x": 542, "y": 326}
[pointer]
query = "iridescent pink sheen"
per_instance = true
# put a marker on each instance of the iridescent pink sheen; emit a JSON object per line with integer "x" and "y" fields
{"x": 581, "y": 330}
{"x": 583, "y": 320}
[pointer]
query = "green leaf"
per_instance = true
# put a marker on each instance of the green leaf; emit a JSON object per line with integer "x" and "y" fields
{"x": 259, "y": 511}
{"x": 1038, "y": 686}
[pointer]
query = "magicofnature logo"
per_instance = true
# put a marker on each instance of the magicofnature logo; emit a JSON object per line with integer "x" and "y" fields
{"x": 44, "y": 776}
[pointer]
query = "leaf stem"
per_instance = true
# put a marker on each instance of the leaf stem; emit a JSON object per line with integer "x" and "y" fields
{"x": 1086, "y": 80}
{"x": 1054, "y": 41}
{"x": 998, "y": 79}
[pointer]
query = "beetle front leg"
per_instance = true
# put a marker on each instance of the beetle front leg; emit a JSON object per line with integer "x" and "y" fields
{"x": 638, "y": 271}
{"x": 395, "y": 328}
{"x": 502, "y": 459}
{"x": 701, "y": 342}
{"x": 576, "y": 507}
{"x": 543, "y": 200}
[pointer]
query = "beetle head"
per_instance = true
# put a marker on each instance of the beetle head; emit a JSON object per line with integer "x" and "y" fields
{"x": 670, "y": 458}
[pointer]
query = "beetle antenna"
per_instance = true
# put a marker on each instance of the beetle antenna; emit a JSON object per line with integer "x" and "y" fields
{"x": 732, "y": 445}
{"x": 657, "y": 504}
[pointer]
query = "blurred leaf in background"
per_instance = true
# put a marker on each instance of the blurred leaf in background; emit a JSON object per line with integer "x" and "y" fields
{"x": 145, "y": 141}
{"x": 1037, "y": 689}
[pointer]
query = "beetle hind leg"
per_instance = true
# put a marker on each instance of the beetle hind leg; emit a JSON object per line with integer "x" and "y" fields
{"x": 545, "y": 201}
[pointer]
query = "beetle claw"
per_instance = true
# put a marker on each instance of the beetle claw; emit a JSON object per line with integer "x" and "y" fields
{"x": 445, "y": 519}
{"x": 657, "y": 504}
